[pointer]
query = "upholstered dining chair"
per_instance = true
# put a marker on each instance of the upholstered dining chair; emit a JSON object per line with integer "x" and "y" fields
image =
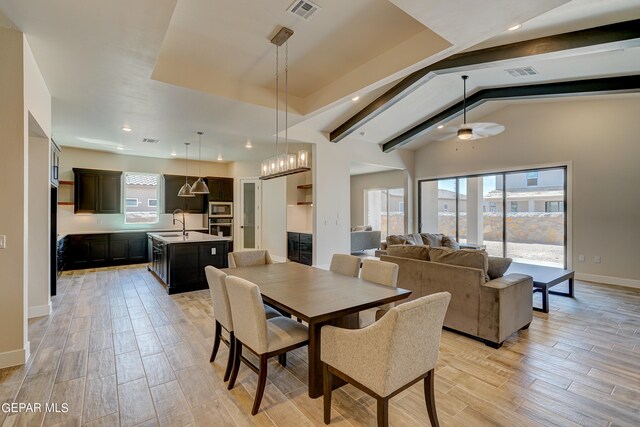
{"x": 347, "y": 265}
{"x": 382, "y": 273}
{"x": 222, "y": 314}
{"x": 265, "y": 338}
{"x": 389, "y": 356}
{"x": 249, "y": 258}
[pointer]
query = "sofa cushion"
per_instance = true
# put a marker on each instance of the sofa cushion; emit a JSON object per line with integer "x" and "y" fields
{"x": 420, "y": 252}
{"x": 498, "y": 266}
{"x": 432, "y": 240}
{"x": 464, "y": 257}
{"x": 414, "y": 239}
{"x": 450, "y": 242}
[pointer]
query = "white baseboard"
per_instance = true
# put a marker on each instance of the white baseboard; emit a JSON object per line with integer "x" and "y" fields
{"x": 14, "y": 357}
{"x": 276, "y": 258}
{"x": 39, "y": 310}
{"x": 608, "y": 280}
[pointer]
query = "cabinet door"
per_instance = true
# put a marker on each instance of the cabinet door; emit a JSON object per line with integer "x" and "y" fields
{"x": 306, "y": 244}
{"x": 137, "y": 247}
{"x": 119, "y": 250}
{"x": 85, "y": 193}
{"x": 293, "y": 246}
{"x": 195, "y": 204}
{"x": 172, "y": 185}
{"x": 214, "y": 189}
{"x": 226, "y": 190}
{"x": 77, "y": 253}
{"x": 183, "y": 268}
{"x": 98, "y": 250}
{"x": 109, "y": 193}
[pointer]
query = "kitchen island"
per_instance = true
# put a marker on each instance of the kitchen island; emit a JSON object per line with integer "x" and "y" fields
{"x": 179, "y": 260}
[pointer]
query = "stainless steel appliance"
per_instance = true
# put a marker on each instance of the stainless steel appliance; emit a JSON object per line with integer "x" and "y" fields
{"x": 222, "y": 227}
{"x": 220, "y": 210}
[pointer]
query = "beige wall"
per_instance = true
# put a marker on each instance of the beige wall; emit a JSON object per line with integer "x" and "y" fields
{"x": 360, "y": 183}
{"x": 598, "y": 138}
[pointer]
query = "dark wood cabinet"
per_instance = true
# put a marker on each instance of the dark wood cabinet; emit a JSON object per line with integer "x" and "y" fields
{"x": 97, "y": 191}
{"x": 128, "y": 248}
{"x": 220, "y": 189}
{"x": 101, "y": 250}
{"x": 172, "y": 184}
{"x": 300, "y": 247}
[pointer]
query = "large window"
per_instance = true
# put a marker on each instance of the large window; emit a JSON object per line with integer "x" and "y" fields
{"x": 520, "y": 214}
{"x": 141, "y": 198}
{"x": 385, "y": 210}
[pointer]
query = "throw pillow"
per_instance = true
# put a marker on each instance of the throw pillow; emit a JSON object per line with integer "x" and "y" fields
{"x": 360, "y": 228}
{"x": 396, "y": 239}
{"x": 464, "y": 257}
{"x": 433, "y": 240}
{"x": 498, "y": 266}
{"x": 368, "y": 228}
{"x": 450, "y": 242}
{"x": 420, "y": 252}
{"x": 414, "y": 239}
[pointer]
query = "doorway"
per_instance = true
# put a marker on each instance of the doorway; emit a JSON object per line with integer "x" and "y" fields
{"x": 250, "y": 214}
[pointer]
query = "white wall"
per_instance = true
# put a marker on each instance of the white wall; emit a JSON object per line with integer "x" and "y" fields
{"x": 360, "y": 183}
{"x": 598, "y": 138}
{"x": 274, "y": 218}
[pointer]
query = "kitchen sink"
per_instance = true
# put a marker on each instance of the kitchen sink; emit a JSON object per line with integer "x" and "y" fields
{"x": 169, "y": 235}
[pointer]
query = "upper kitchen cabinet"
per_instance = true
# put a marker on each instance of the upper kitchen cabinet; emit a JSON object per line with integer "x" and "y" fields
{"x": 97, "y": 191}
{"x": 220, "y": 189}
{"x": 172, "y": 184}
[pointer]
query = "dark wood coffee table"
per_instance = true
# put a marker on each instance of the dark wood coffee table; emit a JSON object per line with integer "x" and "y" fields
{"x": 545, "y": 278}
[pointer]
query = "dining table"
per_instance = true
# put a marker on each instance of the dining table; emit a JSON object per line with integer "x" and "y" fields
{"x": 319, "y": 298}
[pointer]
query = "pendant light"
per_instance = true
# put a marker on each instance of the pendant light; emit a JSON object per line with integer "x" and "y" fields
{"x": 199, "y": 187}
{"x": 185, "y": 190}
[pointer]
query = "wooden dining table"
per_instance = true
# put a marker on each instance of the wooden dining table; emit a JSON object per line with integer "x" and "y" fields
{"x": 319, "y": 297}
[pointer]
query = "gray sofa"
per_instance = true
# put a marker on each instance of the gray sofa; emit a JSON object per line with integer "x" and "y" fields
{"x": 364, "y": 240}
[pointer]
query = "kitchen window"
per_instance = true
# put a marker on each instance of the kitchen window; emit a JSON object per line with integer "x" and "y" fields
{"x": 141, "y": 198}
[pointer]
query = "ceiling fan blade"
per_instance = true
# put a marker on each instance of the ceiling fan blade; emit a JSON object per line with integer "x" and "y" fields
{"x": 483, "y": 130}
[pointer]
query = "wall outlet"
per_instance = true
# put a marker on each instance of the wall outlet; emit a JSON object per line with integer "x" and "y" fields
{"x": 597, "y": 259}
{"x": 3, "y": 242}
{"x": 213, "y": 251}
{"x": 581, "y": 258}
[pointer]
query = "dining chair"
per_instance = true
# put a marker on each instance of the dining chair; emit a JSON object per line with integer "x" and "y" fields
{"x": 265, "y": 338}
{"x": 222, "y": 314}
{"x": 249, "y": 258}
{"x": 347, "y": 265}
{"x": 388, "y": 356}
{"x": 382, "y": 273}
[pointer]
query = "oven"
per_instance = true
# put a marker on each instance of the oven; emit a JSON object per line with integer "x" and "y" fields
{"x": 222, "y": 227}
{"x": 220, "y": 210}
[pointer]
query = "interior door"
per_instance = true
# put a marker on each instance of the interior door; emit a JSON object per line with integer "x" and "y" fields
{"x": 250, "y": 214}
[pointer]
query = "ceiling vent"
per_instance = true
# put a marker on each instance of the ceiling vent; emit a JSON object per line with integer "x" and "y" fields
{"x": 521, "y": 72}
{"x": 303, "y": 9}
{"x": 150, "y": 140}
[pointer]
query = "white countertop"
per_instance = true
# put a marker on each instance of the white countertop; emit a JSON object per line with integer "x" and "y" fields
{"x": 192, "y": 237}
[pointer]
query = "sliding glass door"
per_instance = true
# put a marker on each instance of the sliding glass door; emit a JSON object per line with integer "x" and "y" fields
{"x": 519, "y": 214}
{"x": 384, "y": 210}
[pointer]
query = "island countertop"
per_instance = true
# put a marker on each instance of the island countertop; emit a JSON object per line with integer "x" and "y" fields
{"x": 192, "y": 237}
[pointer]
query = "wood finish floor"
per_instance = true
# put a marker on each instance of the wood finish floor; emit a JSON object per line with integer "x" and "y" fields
{"x": 120, "y": 351}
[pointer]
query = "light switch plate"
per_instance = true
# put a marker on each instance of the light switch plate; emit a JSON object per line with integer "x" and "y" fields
{"x": 597, "y": 259}
{"x": 581, "y": 258}
{"x": 213, "y": 251}
{"x": 3, "y": 242}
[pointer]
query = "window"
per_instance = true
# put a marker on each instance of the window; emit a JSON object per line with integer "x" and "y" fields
{"x": 384, "y": 210}
{"x": 141, "y": 198}
{"x": 514, "y": 206}
{"x": 553, "y": 207}
{"x": 532, "y": 179}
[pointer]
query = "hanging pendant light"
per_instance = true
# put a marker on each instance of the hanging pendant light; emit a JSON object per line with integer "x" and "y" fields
{"x": 286, "y": 163}
{"x": 200, "y": 187}
{"x": 185, "y": 190}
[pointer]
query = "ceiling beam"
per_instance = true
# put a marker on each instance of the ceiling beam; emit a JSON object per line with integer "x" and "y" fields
{"x": 608, "y": 85}
{"x": 589, "y": 38}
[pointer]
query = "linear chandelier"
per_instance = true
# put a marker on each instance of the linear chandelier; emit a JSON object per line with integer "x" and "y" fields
{"x": 285, "y": 163}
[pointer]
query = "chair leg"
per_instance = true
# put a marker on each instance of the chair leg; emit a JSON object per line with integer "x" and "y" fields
{"x": 262, "y": 381}
{"x": 383, "y": 412}
{"x": 216, "y": 342}
{"x": 232, "y": 348}
{"x": 430, "y": 397}
{"x": 237, "y": 353}
{"x": 282, "y": 359}
{"x": 327, "y": 386}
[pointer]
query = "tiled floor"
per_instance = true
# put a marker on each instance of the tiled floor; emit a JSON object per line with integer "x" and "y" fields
{"x": 119, "y": 351}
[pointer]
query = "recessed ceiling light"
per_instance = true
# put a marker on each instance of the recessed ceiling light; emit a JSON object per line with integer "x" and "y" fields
{"x": 440, "y": 127}
{"x": 126, "y": 128}
{"x": 119, "y": 148}
{"x": 355, "y": 98}
{"x": 219, "y": 157}
{"x": 515, "y": 27}
{"x": 248, "y": 144}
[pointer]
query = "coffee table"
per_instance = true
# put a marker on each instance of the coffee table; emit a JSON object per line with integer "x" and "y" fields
{"x": 545, "y": 278}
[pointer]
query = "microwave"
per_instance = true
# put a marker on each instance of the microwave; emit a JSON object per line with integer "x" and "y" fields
{"x": 220, "y": 210}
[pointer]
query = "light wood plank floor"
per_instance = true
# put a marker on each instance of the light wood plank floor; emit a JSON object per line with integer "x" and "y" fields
{"x": 120, "y": 351}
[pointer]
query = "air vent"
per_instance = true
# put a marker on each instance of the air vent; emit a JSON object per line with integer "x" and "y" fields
{"x": 303, "y": 9}
{"x": 521, "y": 72}
{"x": 150, "y": 140}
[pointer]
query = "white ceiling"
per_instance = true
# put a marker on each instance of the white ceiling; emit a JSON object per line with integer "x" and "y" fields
{"x": 159, "y": 66}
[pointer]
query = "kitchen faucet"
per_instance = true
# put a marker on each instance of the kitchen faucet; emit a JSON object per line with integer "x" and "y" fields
{"x": 184, "y": 230}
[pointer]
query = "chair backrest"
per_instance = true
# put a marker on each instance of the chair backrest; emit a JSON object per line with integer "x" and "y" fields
{"x": 416, "y": 328}
{"x": 219, "y": 296}
{"x": 247, "y": 311}
{"x": 348, "y": 265}
{"x": 249, "y": 258}
{"x": 381, "y": 272}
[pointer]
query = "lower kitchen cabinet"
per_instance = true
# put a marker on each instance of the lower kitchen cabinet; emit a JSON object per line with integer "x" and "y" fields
{"x": 128, "y": 248}
{"x": 103, "y": 250}
{"x": 300, "y": 247}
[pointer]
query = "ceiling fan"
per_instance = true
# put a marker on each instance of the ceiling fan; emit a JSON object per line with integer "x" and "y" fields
{"x": 469, "y": 131}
